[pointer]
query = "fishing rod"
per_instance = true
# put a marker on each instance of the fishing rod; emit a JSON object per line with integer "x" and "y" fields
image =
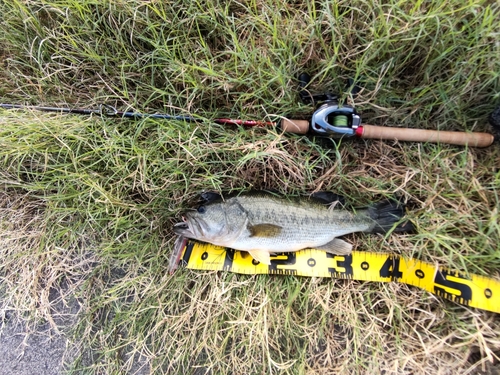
{"x": 330, "y": 119}
{"x": 110, "y": 111}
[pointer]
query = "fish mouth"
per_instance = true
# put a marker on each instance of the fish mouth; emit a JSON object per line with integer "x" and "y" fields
{"x": 182, "y": 229}
{"x": 191, "y": 227}
{"x": 188, "y": 227}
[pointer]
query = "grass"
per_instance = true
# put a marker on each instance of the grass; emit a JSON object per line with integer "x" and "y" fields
{"x": 88, "y": 203}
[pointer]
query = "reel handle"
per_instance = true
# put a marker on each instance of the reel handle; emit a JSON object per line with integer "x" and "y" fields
{"x": 423, "y": 135}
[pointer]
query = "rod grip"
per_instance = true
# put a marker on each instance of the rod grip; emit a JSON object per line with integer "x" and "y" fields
{"x": 422, "y": 135}
{"x": 295, "y": 126}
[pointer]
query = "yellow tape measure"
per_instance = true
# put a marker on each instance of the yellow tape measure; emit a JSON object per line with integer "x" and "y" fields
{"x": 471, "y": 290}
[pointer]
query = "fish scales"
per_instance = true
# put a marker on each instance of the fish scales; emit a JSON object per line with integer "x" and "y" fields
{"x": 304, "y": 223}
{"x": 263, "y": 223}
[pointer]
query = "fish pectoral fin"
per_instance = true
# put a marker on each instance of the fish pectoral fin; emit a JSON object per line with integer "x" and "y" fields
{"x": 336, "y": 246}
{"x": 261, "y": 256}
{"x": 264, "y": 230}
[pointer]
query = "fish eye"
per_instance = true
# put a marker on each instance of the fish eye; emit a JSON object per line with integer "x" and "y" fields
{"x": 201, "y": 209}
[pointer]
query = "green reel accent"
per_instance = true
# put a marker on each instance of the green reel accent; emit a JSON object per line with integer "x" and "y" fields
{"x": 341, "y": 120}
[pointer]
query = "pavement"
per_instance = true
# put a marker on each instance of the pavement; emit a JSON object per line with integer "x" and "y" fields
{"x": 22, "y": 353}
{"x": 42, "y": 350}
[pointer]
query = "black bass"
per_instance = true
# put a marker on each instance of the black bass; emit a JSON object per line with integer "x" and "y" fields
{"x": 262, "y": 224}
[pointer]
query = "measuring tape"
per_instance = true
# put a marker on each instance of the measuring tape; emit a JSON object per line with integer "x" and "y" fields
{"x": 470, "y": 290}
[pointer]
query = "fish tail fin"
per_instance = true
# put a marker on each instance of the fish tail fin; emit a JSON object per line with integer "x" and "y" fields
{"x": 388, "y": 216}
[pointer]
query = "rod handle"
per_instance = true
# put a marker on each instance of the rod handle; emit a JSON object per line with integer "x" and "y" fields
{"x": 422, "y": 135}
{"x": 295, "y": 126}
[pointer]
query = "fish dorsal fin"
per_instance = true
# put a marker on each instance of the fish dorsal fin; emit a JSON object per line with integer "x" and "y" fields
{"x": 210, "y": 196}
{"x": 327, "y": 197}
{"x": 336, "y": 246}
{"x": 264, "y": 230}
{"x": 261, "y": 256}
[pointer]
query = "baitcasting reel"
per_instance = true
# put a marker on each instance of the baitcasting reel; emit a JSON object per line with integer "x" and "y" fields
{"x": 332, "y": 120}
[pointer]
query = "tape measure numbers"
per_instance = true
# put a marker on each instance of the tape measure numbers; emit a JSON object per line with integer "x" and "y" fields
{"x": 471, "y": 290}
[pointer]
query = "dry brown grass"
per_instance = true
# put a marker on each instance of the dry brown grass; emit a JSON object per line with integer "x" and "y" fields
{"x": 87, "y": 204}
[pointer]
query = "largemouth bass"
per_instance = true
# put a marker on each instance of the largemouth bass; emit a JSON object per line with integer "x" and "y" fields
{"x": 262, "y": 224}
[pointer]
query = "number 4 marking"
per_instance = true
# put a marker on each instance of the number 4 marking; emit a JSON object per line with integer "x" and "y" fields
{"x": 390, "y": 268}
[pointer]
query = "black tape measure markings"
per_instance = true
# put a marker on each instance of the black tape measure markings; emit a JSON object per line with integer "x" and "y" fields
{"x": 472, "y": 290}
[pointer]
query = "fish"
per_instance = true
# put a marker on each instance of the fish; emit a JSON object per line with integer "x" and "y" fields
{"x": 263, "y": 223}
